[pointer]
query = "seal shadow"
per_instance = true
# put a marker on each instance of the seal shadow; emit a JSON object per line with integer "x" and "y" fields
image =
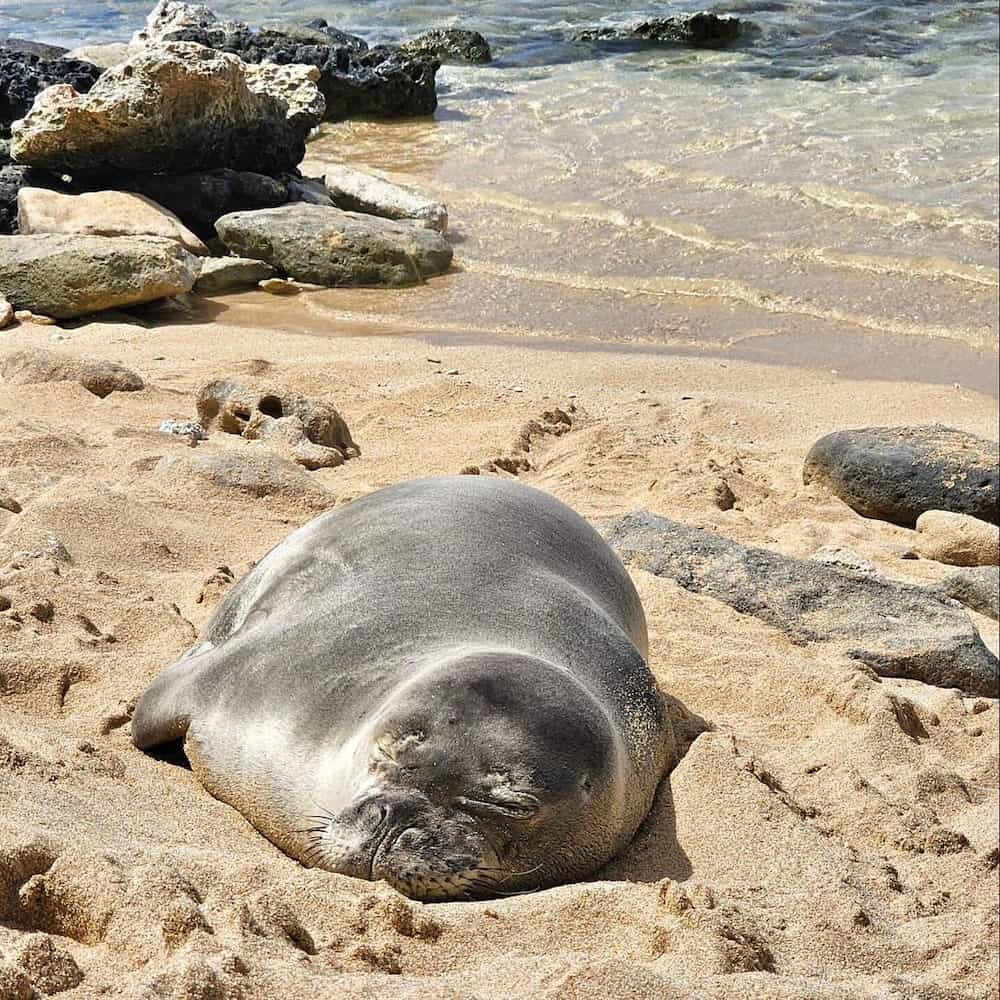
{"x": 654, "y": 852}
{"x": 170, "y": 753}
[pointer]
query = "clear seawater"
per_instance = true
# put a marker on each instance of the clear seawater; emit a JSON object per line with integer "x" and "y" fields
{"x": 834, "y": 176}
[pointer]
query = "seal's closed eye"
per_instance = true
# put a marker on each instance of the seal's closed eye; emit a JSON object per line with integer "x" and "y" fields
{"x": 520, "y": 806}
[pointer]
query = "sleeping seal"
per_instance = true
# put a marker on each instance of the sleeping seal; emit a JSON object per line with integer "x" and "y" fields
{"x": 442, "y": 685}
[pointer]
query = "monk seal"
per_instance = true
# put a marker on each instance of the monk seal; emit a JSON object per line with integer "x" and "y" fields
{"x": 442, "y": 685}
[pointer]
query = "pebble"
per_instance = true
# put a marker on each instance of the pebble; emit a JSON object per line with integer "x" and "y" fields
{"x": 184, "y": 428}
{"x": 27, "y": 316}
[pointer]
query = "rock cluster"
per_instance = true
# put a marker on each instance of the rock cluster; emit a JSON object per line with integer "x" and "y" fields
{"x": 701, "y": 30}
{"x": 194, "y": 134}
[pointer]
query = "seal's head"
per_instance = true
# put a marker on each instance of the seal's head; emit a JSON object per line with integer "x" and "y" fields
{"x": 488, "y": 774}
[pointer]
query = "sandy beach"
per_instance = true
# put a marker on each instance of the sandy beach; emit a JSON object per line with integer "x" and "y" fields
{"x": 824, "y": 833}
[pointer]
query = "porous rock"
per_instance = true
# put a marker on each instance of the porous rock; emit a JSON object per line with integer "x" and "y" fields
{"x": 957, "y": 539}
{"x": 325, "y": 246}
{"x": 99, "y": 377}
{"x": 100, "y": 213}
{"x": 359, "y": 191}
{"x": 66, "y": 276}
{"x": 295, "y": 85}
{"x": 24, "y": 75}
{"x": 177, "y": 107}
{"x": 450, "y": 45}
{"x": 897, "y": 629}
{"x": 898, "y": 473}
{"x": 977, "y": 588}
{"x": 310, "y": 431}
{"x": 225, "y": 274}
{"x": 353, "y": 78}
{"x": 702, "y": 30}
{"x": 105, "y": 56}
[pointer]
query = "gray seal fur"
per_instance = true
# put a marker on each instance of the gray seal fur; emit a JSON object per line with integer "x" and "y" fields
{"x": 442, "y": 685}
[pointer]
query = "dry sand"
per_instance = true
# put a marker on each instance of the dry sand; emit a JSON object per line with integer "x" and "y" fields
{"x": 807, "y": 844}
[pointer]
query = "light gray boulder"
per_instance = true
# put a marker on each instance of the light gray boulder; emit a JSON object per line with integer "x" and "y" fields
{"x": 977, "y": 588}
{"x": 226, "y": 274}
{"x": 358, "y": 191}
{"x": 176, "y": 108}
{"x": 325, "y": 246}
{"x": 896, "y": 629}
{"x": 68, "y": 276}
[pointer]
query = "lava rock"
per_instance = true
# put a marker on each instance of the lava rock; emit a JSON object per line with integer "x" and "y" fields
{"x": 897, "y": 629}
{"x": 176, "y": 108}
{"x": 450, "y": 45}
{"x": 26, "y": 46}
{"x": 702, "y": 30}
{"x": 358, "y": 191}
{"x": 325, "y": 246}
{"x": 24, "y": 75}
{"x": 898, "y": 473}
{"x": 68, "y": 276}
{"x": 315, "y": 32}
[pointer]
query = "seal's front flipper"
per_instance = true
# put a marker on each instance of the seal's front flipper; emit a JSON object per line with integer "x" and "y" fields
{"x": 164, "y": 712}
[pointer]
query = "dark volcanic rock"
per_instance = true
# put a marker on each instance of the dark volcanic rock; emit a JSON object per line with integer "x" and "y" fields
{"x": 898, "y": 473}
{"x": 315, "y": 32}
{"x": 199, "y": 200}
{"x": 977, "y": 588}
{"x": 29, "y": 47}
{"x": 896, "y": 629}
{"x": 450, "y": 45}
{"x": 382, "y": 82}
{"x": 702, "y": 30}
{"x": 23, "y": 75}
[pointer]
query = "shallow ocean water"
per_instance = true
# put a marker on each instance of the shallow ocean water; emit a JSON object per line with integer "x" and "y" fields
{"x": 830, "y": 181}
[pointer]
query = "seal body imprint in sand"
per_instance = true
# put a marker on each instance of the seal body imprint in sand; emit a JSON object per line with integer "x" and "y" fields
{"x": 442, "y": 685}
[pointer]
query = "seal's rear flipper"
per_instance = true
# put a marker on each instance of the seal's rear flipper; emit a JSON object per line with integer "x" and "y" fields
{"x": 164, "y": 712}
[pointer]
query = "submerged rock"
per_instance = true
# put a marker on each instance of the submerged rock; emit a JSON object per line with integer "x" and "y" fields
{"x": 66, "y": 276}
{"x": 310, "y": 431}
{"x": 957, "y": 539}
{"x": 99, "y": 377}
{"x": 325, "y": 246}
{"x": 702, "y": 30}
{"x": 896, "y": 629}
{"x": 225, "y": 274}
{"x": 977, "y": 588}
{"x": 24, "y": 75}
{"x": 176, "y": 108}
{"x": 100, "y": 213}
{"x": 898, "y": 473}
{"x": 358, "y": 191}
{"x": 450, "y": 45}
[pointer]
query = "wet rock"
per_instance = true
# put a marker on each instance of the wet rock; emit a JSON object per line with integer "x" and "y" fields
{"x": 898, "y": 473}
{"x": 358, "y": 191}
{"x": 23, "y": 75}
{"x": 702, "y": 30}
{"x": 278, "y": 286}
{"x": 200, "y": 199}
{"x": 99, "y": 377}
{"x": 225, "y": 274}
{"x": 957, "y": 539}
{"x": 67, "y": 276}
{"x": 310, "y": 431}
{"x": 896, "y": 629}
{"x": 315, "y": 32}
{"x": 101, "y": 213}
{"x": 178, "y": 107}
{"x": 977, "y": 588}
{"x": 450, "y": 45}
{"x": 325, "y": 246}
{"x": 382, "y": 82}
